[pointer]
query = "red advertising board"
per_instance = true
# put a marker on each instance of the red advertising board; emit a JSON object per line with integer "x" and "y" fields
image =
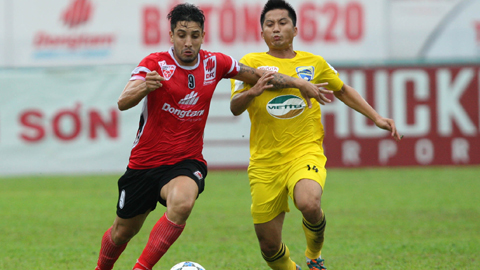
{"x": 436, "y": 108}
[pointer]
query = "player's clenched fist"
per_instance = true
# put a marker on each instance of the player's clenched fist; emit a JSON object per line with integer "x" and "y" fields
{"x": 153, "y": 80}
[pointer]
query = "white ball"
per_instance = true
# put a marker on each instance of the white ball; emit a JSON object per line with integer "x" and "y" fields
{"x": 187, "y": 266}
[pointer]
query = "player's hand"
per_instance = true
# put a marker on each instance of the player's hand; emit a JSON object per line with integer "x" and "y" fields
{"x": 316, "y": 91}
{"x": 153, "y": 81}
{"x": 389, "y": 124}
{"x": 323, "y": 92}
{"x": 262, "y": 84}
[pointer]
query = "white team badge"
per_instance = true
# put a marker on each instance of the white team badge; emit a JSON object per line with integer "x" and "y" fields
{"x": 121, "y": 201}
{"x": 306, "y": 72}
{"x": 167, "y": 70}
{"x": 198, "y": 174}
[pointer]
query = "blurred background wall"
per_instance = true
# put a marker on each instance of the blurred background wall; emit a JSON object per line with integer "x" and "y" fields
{"x": 63, "y": 65}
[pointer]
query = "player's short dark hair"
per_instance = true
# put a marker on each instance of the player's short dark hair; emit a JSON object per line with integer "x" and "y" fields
{"x": 278, "y": 4}
{"x": 186, "y": 12}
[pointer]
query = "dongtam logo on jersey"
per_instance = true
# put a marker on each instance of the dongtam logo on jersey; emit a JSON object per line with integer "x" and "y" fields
{"x": 75, "y": 37}
{"x": 167, "y": 70}
{"x": 306, "y": 73}
{"x": 179, "y": 113}
{"x": 189, "y": 99}
{"x": 269, "y": 68}
{"x": 210, "y": 66}
{"x": 285, "y": 107}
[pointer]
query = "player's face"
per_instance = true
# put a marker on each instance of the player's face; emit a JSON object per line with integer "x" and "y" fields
{"x": 278, "y": 30}
{"x": 187, "y": 38}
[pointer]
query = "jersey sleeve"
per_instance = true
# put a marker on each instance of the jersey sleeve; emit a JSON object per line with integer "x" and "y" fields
{"x": 147, "y": 64}
{"x": 238, "y": 86}
{"x": 330, "y": 74}
{"x": 229, "y": 66}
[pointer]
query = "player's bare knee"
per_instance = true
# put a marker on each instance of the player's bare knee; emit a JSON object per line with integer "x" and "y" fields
{"x": 183, "y": 207}
{"x": 309, "y": 206}
{"x": 269, "y": 248}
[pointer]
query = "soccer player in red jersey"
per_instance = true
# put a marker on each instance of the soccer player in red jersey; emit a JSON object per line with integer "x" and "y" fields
{"x": 166, "y": 163}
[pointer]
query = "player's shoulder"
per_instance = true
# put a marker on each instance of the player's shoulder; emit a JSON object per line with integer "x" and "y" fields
{"x": 254, "y": 58}
{"x": 152, "y": 60}
{"x": 254, "y": 55}
{"x": 309, "y": 55}
{"x": 158, "y": 55}
{"x": 206, "y": 54}
{"x": 223, "y": 59}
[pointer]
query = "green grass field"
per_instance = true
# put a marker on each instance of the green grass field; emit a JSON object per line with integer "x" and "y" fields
{"x": 408, "y": 218}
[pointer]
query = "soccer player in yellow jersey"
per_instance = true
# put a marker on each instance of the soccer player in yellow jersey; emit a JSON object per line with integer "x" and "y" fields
{"x": 287, "y": 158}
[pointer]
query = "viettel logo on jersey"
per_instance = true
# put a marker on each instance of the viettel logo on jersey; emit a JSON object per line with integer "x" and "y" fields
{"x": 77, "y": 13}
{"x": 285, "y": 107}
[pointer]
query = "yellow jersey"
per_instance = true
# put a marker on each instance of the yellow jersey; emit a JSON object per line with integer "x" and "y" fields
{"x": 283, "y": 128}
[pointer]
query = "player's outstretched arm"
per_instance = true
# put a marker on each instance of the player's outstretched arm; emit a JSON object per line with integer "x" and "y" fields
{"x": 308, "y": 90}
{"x": 240, "y": 102}
{"x": 136, "y": 90}
{"x": 354, "y": 100}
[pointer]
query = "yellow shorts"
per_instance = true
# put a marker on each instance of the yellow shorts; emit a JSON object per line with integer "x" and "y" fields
{"x": 270, "y": 186}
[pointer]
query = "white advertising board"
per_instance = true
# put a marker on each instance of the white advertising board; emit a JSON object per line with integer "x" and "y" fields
{"x": 84, "y": 32}
{"x": 65, "y": 120}
{"x": 434, "y": 29}
{"x": 78, "y": 32}
{"x": 460, "y": 31}
{"x": 3, "y": 33}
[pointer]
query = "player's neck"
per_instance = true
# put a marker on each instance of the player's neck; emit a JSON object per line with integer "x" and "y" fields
{"x": 286, "y": 53}
{"x": 185, "y": 64}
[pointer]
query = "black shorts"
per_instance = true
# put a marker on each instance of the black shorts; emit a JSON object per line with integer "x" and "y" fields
{"x": 139, "y": 190}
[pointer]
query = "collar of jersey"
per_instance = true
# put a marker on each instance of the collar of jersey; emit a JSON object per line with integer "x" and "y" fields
{"x": 184, "y": 67}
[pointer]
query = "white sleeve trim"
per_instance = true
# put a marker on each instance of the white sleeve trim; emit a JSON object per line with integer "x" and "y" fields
{"x": 235, "y": 65}
{"x": 140, "y": 69}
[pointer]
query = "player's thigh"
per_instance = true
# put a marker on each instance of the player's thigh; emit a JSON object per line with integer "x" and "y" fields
{"x": 138, "y": 193}
{"x": 306, "y": 177}
{"x": 268, "y": 191}
{"x": 180, "y": 190}
{"x": 188, "y": 173}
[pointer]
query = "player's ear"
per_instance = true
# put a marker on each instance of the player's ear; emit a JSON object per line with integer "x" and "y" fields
{"x": 171, "y": 35}
{"x": 295, "y": 31}
{"x": 203, "y": 36}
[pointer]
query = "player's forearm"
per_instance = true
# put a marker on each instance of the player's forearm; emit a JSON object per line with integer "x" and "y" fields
{"x": 131, "y": 96}
{"x": 251, "y": 75}
{"x": 354, "y": 100}
{"x": 280, "y": 81}
{"x": 240, "y": 102}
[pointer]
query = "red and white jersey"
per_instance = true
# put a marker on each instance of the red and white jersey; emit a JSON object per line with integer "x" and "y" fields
{"x": 174, "y": 116}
